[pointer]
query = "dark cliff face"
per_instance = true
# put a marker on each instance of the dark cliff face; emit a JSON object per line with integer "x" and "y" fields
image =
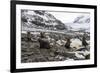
{"x": 40, "y": 19}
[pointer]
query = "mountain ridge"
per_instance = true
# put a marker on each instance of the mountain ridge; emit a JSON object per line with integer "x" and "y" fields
{"x": 40, "y": 19}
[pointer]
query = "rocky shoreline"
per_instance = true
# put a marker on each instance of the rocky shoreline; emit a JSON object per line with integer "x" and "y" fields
{"x": 31, "y": 51}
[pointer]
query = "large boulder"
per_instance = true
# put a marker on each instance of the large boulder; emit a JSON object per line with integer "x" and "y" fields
{"x": 76, "y": 43}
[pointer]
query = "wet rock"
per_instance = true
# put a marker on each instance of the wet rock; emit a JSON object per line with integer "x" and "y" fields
{"x": 29, "y": 60}
{"x": 50, "y": 58}
{"x": 52, "y": 54}
{"x": 81, "y": 49}
{"x": 79, "y": 56}
{"x": 59, "y": 42}
{"x": 59, "y": 57}
{"x": 69, "y": 54}
{"x": 42, "y": 60}
{"x": 69, "y": 59}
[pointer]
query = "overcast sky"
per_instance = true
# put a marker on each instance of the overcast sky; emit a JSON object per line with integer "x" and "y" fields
{"x": 67, "y": 17}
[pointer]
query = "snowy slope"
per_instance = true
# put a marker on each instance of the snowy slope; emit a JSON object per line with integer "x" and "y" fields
{"x": 81, "y": 23}
{"x": 40, "y": 20}
{"x": 82, "y": 19}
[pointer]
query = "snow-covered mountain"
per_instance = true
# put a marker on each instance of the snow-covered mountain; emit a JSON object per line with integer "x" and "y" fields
{"x": 81, "y": 23}
{"x": 82, "y": 19}
{"x": 40, "y": 20}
